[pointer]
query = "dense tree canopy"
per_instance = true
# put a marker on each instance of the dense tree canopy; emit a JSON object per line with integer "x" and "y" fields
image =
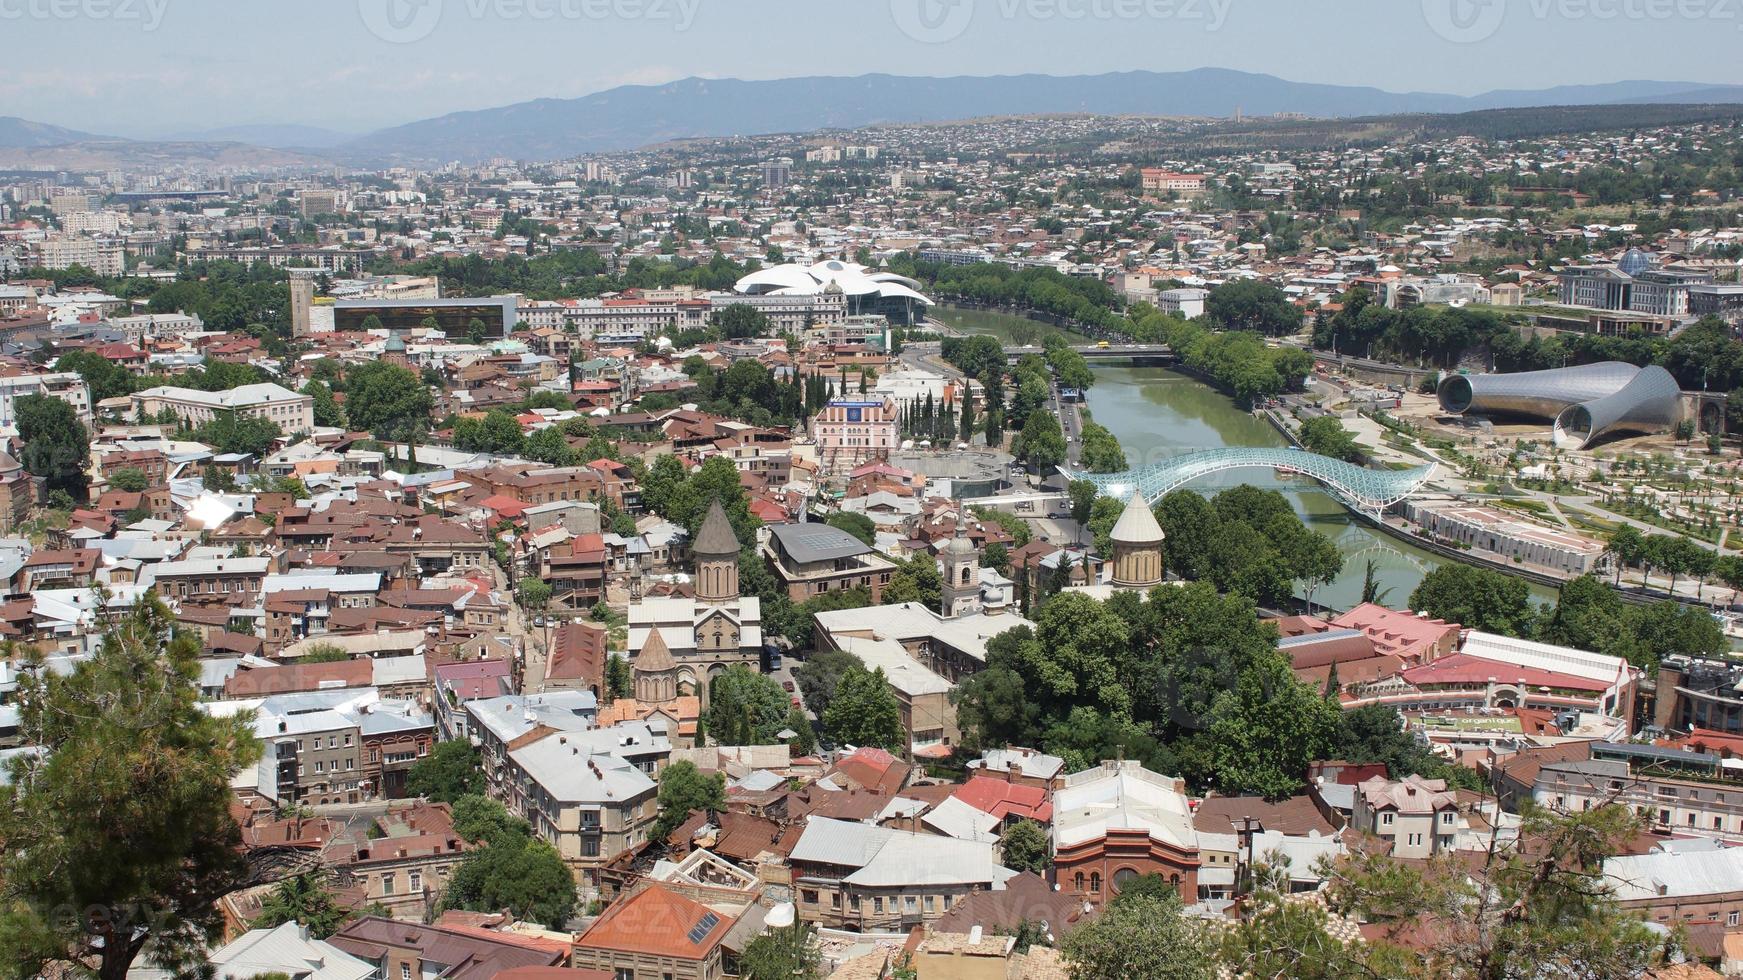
{"x": 125, "y": 816}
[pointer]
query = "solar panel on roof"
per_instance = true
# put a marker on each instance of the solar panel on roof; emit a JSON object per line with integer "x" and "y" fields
{"x": 703, "y": 927}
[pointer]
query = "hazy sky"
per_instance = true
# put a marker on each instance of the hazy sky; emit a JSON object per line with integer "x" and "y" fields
{"x": 158, "y": 67}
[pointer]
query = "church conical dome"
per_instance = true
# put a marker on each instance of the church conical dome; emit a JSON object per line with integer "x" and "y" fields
{"x": 1137, "y": 524}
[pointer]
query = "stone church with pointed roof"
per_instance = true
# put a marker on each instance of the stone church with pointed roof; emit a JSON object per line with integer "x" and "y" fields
{"x": 1136, "y": 543}
{"x": 678, "y": 645}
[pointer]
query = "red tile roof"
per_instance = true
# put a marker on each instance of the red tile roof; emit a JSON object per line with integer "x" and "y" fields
{"x": 1461, "y": 668}
{"x": 1002, "y": 799}
{"x": 656, "y": 922}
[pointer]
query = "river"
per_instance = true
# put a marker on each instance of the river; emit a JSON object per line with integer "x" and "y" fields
{"x": 1158, "y": 413}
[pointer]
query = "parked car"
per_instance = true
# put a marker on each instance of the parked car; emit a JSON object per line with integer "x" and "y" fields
{"x": 788, "y": 685}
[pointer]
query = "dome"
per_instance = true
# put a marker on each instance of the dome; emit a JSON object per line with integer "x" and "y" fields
{"x": 1137, "y": 525}
{"x": 395, "y": 344}
{"x": 1635, "y": 261}
{"x": 960, "y": 545}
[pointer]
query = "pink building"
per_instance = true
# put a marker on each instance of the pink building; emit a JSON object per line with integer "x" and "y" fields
{"x": 1412, "y": 638}
{"x": 850, "y": 433}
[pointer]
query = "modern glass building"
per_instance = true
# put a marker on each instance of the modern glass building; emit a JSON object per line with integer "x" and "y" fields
{"x": 453, "y": 316}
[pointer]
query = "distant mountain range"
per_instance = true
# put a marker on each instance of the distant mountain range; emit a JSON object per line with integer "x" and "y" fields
{"x": 639, "y": 115}
{"x": 21, "y": 134}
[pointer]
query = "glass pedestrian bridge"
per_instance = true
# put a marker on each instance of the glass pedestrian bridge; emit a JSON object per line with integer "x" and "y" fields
{"x": 1363, "y": 489}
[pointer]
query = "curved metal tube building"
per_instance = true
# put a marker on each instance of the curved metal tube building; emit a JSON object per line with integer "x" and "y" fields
{"x": 1541, "y": 394}
{"x": 1652, "y": 402}
{"x": 1585, "y": 402}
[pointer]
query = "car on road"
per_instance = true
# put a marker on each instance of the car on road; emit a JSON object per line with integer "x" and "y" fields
{"x": 788, "y": 685}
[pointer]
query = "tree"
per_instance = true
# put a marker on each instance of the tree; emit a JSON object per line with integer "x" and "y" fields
{"x": 1144, "y": 937}
{"x": 804, "y": 739}
{"x": 1101, "y": 450}
{"x": 450, "y": 771}
{"x": 1628, "y": 547}
{"x": 1041, "y": 444}
{"x": 327, "y": 410}
{"x": 1513, "y": 909}
{"x": 740, "y": 320}
{"x": 1325, "y": 435}
{"x": 324, "y": 653}
{"x": 684, "y": 790}
{"x": 1024, "y": 847}
{"x": 130, "y": 479}
{"x": 1268, "y": 729}
{"x": 865, "y": 711}
{"x": 303, "y": 899}
{"x": 548, "y": 445}
{"x": 387, "y": 400}
{"x": 106, "y": 378}
{"x": 916, "y": 580}
{"x": 858, "y": 525}
{"x": 619, "y": 680}
{"x": 516, "y": 872}
{"x": 820, "y": 674}
{"x": 665, "y": 477}
{"x": 788, "y": 953}
{"x": 1476, "y": 598}
{"x": 119, "y": 838}
{"x": 57, "y": 447}
{"x": 231, "y": 432}
{"x": 745, "y": 707}
{"x": 1082, "y": 494}
{"x": 1250, "y": 304}
{"x": 532, "y": 594}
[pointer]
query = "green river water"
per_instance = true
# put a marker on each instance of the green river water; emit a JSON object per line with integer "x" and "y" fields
{"x": 1158, "y": 413}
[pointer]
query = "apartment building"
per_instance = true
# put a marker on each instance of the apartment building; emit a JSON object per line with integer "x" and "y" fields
{"x": 1158, "y": 181}
{"x": 292, "y": 412}
{"x": 404, "y": 863}
{"x": 1672, "y": 790}
{"x": 592, "y": 795}
{"x": 794, "y": 314}
{"x": 863, "y": 877}
{"x": 1418, "y": 816}
{"x": 811, "y": 559}
{"x": 346, "y": 746}
{"x": 209, "y": 578}
{"x": 66, "y": 386}
{"x": 496, "y": 722}
{"x": 632, "y": 320}
{"x": 105, "y": 257}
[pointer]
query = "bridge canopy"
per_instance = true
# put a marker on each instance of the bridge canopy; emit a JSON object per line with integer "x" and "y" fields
{"x": 1361, "y": 488}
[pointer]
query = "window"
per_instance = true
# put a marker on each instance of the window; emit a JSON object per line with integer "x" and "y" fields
{"x": 387, "y": 883}
{"x": 1095, "y": 881}
{"x": 877, "y": 904}
{"x": 1386, "y": 819}
{"x": 911, "y": 904}
{"x": 1078, "y": 881}
{"x": 1731, "y": 919}
{"x": 417, "y": 881}
{"x": 405, "y": 971}
{"x": 810, "y": 896}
